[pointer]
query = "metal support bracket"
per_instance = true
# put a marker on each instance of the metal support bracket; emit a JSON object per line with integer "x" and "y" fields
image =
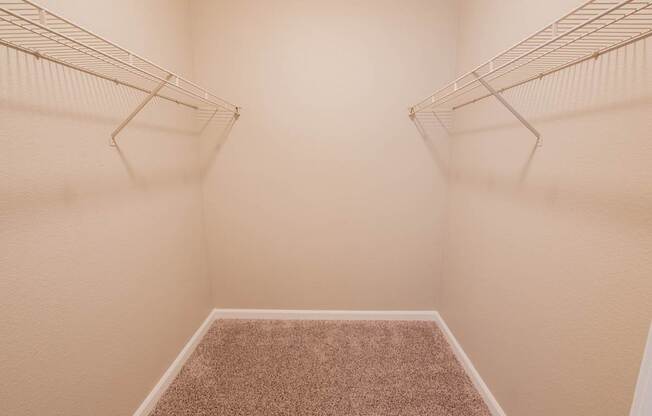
{"x": 507, "y": 105}
{"x": 142, "y": 105}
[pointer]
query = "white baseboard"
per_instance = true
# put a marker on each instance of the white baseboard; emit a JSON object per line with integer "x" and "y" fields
{"x": 168, "y": 377}
{"x": 464, "y": 359}
{"x": 324, "y": 315}
{"x": 148, "y": 404}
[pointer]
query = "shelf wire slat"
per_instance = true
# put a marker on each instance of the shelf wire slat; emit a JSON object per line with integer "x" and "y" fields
{"x": 32, "y": 29}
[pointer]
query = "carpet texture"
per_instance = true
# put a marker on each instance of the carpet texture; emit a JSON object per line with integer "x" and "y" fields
{"x": 343, "y": 368}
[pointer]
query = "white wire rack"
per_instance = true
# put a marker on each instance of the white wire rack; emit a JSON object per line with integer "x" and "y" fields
{"x": 35, "y": 30}
{"x": 589, "y": 31}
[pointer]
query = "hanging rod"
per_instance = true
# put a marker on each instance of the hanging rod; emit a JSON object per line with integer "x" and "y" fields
{"x": 589, "y": 31}
{"x": 32, "y": 29}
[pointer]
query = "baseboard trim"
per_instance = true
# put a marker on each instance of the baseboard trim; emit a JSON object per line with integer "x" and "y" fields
{"x": 150, "y": 401}
{"x": 152, "y": 398}
{"x": 473, "y": 374}
{"x": 324, "y": 315}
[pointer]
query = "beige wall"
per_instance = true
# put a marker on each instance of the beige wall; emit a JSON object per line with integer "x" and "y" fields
{"x": 548, "y": 263}
{"x": 324, "y": 196}
{"x": 102, "y": 267}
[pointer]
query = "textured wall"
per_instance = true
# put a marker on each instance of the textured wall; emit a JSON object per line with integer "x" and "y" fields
{"x": 324, "y": 196}
{"x": 548, "y": 263}
{"x": 102, "y": 266}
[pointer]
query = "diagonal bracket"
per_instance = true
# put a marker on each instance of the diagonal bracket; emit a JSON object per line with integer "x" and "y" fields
{"x": 509, "y": 107}
{"x": 142, "y": 105}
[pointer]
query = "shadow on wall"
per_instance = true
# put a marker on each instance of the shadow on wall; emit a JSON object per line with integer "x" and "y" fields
{"x": 435, "y": 129}
{"x": 592, "y": 116}
{"x": 62, "y": 119}
{"x": 214, "y": 135}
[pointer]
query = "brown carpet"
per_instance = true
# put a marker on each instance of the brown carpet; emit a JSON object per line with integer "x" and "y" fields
{"x": 361, "y": 368}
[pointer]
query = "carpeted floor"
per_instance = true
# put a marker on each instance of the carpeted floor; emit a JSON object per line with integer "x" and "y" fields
{"x": 338, "y": 368}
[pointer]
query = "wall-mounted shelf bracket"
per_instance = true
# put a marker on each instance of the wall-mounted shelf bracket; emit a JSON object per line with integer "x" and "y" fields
{"x": 137, "y": 110}
{"x": 511, "y": 109}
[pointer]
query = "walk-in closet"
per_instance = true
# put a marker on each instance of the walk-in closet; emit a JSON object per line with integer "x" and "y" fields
{"x": 325, "y": 208}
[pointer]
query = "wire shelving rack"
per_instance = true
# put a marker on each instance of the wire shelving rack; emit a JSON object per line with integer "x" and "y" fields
{"x": 35, "y": 30}
{"x": 589, "y": 31}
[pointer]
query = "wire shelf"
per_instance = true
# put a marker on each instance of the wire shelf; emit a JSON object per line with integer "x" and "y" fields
{"x": 591, "y": 30}
{"x": 35, "y": 30}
